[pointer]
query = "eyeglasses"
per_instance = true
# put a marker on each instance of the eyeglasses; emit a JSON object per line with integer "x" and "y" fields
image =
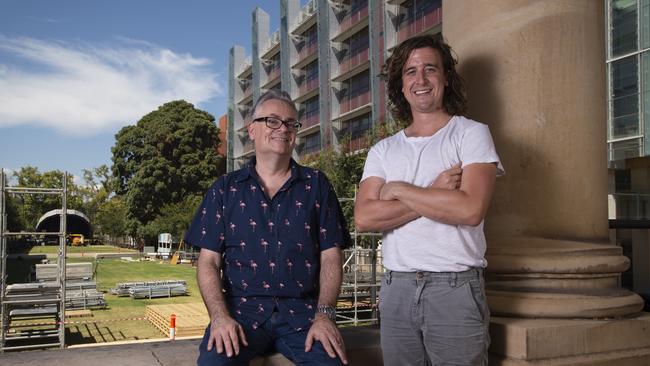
{"x": 275, "y": 123}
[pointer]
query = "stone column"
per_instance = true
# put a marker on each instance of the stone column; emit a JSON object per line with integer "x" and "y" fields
{"x": 536, "y": 75}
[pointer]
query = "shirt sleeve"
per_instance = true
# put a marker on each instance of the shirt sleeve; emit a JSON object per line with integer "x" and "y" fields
{"x": 207, "y": 229}
{"x": 333, "y": 228}
{"x": 373, "y": 166}
{"x": 477, "y": 147}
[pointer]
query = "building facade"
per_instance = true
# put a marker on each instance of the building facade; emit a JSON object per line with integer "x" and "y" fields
{"x": 628, "y": 135}
{"x": 328, "y": 56}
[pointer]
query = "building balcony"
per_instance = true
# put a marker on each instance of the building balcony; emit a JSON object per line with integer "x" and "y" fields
{"x": 349, "y": 104}
{"x": 351, "y": 62}
{"x": 309, "y": 121}
{"x": 308, "y": 50}
{"x": 420, "y": 24}
{"x": 352, "y": 19}
{"x": 275, "y": 73}
{"x": 308, "y": 86}
{"x": 272, "y": 79}
{"x": 248, "y": 95}
{"x": 358, "y": 143}
{"x": 248, "y": 148}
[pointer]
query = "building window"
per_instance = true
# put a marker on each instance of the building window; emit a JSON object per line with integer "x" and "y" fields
{"x": 626, "y": 149}
{"x": 311, "y": 107}
{"x": 312, "y": 143}
{"x": 357, "y": 127}
{"x": 359, "y": 84}
{"x": 311, "y": 36}
{"x": 625, "y": 98}
{"x": 358, "y": 43}
{"x": 623, "y": 26}
{"x": 311, "y": 71}
{"x": 416, "y": 9}
{"x": 623, "y": 180}
{"x": 356, "y": 5}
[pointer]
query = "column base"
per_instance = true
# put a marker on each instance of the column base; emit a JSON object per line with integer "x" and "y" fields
{"x": 559, "y": 342}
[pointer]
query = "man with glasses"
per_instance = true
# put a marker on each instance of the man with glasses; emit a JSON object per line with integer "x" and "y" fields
{"x": 275, "y": 231}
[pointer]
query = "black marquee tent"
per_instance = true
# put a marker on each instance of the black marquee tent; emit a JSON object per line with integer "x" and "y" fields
{"x": 76, "y": 222}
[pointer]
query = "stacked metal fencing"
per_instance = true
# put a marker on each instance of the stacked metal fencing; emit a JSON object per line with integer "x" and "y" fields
{"x": 150, "y": 289}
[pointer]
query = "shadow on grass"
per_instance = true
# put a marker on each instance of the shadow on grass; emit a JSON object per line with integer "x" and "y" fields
{"x": 94, "y": 333}
{"x": 19, "y": 268}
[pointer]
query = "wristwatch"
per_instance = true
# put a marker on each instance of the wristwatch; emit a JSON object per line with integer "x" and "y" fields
{"x": 329, "y": 311}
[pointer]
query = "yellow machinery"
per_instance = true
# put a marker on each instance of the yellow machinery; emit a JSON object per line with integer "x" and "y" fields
{"x": 76, "y": 240}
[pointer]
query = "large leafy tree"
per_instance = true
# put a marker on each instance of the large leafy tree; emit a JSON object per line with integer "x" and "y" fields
{"x": 96, "y": 189}
{"x": 111, "y": 218}
{"x": 169, "y": 155}
{"x": 31, "y": 207}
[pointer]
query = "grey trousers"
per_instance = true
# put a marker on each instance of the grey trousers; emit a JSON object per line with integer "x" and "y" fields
{"x": 431, "y": 318}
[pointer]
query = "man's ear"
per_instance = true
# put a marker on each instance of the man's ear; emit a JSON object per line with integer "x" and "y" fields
{"x": 251, "y": 130}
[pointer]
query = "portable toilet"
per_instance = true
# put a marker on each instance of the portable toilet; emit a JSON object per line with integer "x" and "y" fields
{"x": 164, "y": 245}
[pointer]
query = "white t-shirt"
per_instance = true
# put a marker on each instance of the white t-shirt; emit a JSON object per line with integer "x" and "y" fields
{"x": 424, "y": 244}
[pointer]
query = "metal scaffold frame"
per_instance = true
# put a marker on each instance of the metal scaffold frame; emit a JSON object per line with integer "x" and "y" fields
{"x": 361, "y": 279}
{"x": 28, "y": 333}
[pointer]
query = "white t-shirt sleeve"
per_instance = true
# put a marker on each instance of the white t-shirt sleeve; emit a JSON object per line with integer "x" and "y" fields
{"x": 477, "y": 147}
{"x": 374, "y": 166}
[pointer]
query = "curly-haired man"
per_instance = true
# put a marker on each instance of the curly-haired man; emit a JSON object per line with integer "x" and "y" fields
{"x": 427, "y": 188}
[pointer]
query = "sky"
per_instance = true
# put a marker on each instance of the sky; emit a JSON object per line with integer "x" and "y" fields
{"x": 74, "y": 72}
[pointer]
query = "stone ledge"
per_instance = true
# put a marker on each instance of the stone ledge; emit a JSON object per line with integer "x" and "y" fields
{"x": 633, "y": 357}
{"x": 537, "y": 339}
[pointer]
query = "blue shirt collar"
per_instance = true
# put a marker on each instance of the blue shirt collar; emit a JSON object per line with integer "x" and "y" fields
{"x": 248, "y": 171}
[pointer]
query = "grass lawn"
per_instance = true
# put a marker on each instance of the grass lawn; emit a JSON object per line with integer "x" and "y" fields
{"x": 123, "y": 319}
{"x": 54, "y": 249}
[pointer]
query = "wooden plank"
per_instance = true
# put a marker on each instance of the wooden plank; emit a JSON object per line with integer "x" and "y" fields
{"x": 191, "y": 318}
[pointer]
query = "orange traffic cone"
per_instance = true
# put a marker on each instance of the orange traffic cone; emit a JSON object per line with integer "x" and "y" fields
{"x": 172, "y": 327}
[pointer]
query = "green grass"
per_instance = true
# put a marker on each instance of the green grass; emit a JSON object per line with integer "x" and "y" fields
{"x": 123, "y": 318}
{"x": 54, "y": 249}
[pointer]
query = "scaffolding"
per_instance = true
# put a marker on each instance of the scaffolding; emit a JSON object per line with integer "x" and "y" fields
{"x": 32, "y": 318}
{"x": 362, "y": 274}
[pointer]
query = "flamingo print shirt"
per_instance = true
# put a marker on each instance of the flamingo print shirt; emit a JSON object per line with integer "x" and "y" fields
{"x": 271, "y": 247}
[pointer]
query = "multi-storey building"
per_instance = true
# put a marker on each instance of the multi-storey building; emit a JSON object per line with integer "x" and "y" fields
{"x": 628, "y": 134}
{"x": 328, "y": 55}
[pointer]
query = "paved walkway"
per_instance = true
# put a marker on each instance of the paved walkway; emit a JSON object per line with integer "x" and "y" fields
{"x": 161, "y": 353}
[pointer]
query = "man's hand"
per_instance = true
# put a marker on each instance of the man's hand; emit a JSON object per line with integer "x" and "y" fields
{"x": 226, "y": 334}
{"x": 325, "y": 331}
{"x": 449, "y": 179}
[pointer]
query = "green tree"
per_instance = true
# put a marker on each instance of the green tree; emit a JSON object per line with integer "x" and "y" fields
{"x": 96, "y": 189}
{"x": 344, "y": 168}
{"x": 111, "y": 218}
{"x": 174, "y": 218}
{"x": 32, "y": 206}
{"x": 169, "y": 155}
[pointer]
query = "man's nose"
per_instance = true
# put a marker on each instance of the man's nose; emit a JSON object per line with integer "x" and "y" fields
{"x": 419, "y": 76}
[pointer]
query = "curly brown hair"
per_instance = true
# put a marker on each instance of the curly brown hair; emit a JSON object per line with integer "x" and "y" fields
{"x": 454, "y": 99}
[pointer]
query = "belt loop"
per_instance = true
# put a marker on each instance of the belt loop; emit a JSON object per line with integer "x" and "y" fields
{"x": 453, "y": 279}
{"x": 389, "y": 276}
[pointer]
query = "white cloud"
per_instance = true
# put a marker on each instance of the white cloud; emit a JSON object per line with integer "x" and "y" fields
{"x": 85, "y": 89}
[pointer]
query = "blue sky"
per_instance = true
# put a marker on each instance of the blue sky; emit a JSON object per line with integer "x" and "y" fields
{"x": 73, "y": 72}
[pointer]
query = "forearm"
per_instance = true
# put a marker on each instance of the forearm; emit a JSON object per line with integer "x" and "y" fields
{"x": 209, "y": 280}
{"x": 380, "y": 215}
{"x": 330, "y": 277}
{"x": 454, "y": 207}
